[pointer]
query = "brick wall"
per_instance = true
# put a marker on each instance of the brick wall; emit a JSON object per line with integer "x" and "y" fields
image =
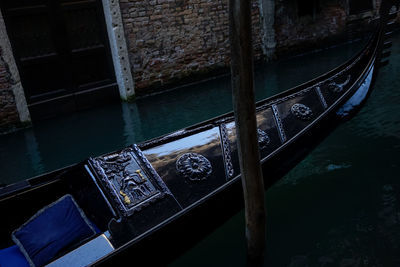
{"x": 295, "y": 33}
{"x": 8, "y": 111}
{"x": 172, "y": 39}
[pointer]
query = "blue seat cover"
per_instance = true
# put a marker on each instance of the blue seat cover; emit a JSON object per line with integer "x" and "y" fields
{"x": 52, "y": 229}
{"x": 12, "y": 257}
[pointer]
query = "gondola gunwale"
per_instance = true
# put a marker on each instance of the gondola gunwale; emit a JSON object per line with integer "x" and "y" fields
{"x": 341, "y": 100}
{"x": 262, "y": 105}
{"x": 193, "y": 129}
{"x": 37, "y": 182}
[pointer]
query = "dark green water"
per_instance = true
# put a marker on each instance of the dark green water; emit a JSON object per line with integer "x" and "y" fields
{"x": 339, "y": 207}
{"x": 55, "y": 143}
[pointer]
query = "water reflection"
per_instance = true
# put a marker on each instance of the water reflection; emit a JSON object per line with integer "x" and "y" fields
{"x": 66, "y": 140}
{"x": 132, "y": 129}
{"x": 198, "y": 140}
{"x": 33, "y": 152}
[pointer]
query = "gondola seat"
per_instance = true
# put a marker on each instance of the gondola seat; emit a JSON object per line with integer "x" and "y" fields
{"x": 52, "y": 231}
{"x": 12, "y": 257}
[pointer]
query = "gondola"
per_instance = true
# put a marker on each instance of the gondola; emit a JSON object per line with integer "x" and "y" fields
{"x": 148, "y": 203}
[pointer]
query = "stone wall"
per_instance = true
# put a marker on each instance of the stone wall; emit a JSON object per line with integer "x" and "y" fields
{"x": 14, "y": 111}
{"x": 173, "y": 39}
{"x": 294, "y": 32}
{"x": 9, "y": 114}
{"x": 331, "y": 23}
{"x": 171, "y": 42}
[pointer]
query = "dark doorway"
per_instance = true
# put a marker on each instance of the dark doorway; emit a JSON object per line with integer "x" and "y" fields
{"x": 308, "y": 8}
{"x": 359, "y": 6}
{"x": 62, "y": 52}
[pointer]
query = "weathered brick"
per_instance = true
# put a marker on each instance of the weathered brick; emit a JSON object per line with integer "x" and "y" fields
{"x": 179, "y": 38}
{"x": 8, "y": 110}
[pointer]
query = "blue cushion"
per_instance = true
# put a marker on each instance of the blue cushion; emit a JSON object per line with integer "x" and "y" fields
{"x": 52, "y": 229}
{"x": 12, "y": 257}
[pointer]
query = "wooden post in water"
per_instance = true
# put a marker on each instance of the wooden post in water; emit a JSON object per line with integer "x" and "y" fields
{"x": 246, "y": 128}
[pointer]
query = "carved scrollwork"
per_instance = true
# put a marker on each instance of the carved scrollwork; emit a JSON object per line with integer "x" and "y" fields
{"x": 227, "y": 152}
{"x": 263, "y": 139}
{"x": 279, "y": 123}
{"x": 321, "y": 97}
{"x": 302, "y": 112}
{"x": 193, "y": 166}
{"x": 338, "y": 87}
{"x": 128, "y": 180}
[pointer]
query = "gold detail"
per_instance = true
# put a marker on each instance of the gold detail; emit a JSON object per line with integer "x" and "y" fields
{"x": 126, "y": 198}
{"x": 141, "y": 176}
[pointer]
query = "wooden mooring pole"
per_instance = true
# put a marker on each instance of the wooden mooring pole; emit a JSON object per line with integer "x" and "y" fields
{"x": 246, "y": 128}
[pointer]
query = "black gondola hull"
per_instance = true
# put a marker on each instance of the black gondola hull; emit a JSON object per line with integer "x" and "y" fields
{"x": 159, "y": 198}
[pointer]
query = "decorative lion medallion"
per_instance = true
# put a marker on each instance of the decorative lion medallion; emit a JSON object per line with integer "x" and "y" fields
{"x": 193, "y": 166}
{"x": 302, "y": 112}
{"x": 263, "y": 139}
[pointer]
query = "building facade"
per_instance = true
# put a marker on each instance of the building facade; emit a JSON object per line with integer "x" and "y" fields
{"x": 14, "y": 112}
{"x": 9, "y": 112}
{"x": 70, "y": 54}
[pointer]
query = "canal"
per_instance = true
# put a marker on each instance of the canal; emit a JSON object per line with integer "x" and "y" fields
{"x": 339, "y": 207}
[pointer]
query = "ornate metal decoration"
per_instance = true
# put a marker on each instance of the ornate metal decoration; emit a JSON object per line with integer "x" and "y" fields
{"x": 302, "y": 112}
{"x": 227, "y": 153}
{"x": 193, "y": 166}
{"x": 279, "y": 123}
{"x": 338, "y": 87}
{"x": 130, "y": 183}
{"x": 263, "y": 139}
{"x": 321, "y": 97}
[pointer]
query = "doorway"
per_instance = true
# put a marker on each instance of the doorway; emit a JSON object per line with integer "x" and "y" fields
{"x": 62, "y": 52}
